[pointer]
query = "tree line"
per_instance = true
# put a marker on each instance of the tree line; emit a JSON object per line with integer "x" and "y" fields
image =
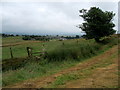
{"x": 41, "y": 37}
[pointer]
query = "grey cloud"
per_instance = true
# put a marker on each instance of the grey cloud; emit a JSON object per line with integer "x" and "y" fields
{"x": 47, "y": 18}
{"x": 119, "y": 17}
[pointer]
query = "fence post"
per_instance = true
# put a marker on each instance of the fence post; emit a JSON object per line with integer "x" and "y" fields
{"x": 29, "y": 51}
{"x": 63, "y": 43}
{"x": 43, "y": 47}
{"x": 77, "y": 41}
{"x": 11, "y": 52}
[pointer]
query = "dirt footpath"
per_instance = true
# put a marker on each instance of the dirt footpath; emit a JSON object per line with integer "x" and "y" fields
{"x": 101, "y": 77}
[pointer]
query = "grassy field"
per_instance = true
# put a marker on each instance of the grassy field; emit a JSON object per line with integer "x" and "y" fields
{"x": 21, "y": 51}
{"x": 59, "y": 57}
{"x": 9, "y": 40}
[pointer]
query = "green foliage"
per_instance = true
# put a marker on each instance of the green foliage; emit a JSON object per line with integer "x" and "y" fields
{"x": 97, "y": 23}
{"x": 35, "y": 37}
{"x": 26, "y": 38}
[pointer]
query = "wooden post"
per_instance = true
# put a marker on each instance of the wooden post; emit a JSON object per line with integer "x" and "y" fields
{"x": 77, "y": 41}
{"x": 43, "y": 48}
{"x": 11, "y": 52}
{"x": 29, "y": 51}
{"x": 63, "y": 43}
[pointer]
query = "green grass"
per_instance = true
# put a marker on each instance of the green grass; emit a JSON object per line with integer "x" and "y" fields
{"x": 61, "y": 80}
{"x": 33, "y": 70}
{"x": 11, "y": 40}
{"x": 54, "y": 48}
{"x": 59, "y": 57}
{"x": 20, "y": 50}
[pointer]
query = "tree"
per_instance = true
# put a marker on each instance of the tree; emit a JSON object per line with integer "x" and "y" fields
{"x": 77, "y": 36}
{"x": 97, "y": 23}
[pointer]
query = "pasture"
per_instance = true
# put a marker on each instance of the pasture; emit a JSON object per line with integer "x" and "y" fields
{"x": 19, "y": 50}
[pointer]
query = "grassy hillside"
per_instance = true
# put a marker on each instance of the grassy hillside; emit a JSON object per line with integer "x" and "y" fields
{"x": 59, "y": 57}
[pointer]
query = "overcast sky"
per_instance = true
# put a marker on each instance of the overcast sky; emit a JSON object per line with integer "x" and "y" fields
{"x": 48, "y": 17}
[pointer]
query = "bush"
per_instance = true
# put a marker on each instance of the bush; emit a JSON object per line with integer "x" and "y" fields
{"x": 26, "y": 38}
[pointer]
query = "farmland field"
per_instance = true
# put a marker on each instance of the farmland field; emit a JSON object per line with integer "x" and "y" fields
{"x": 11, "y": 40}
{"x": 20, "y": 50}
{"x": 62, "y": 60}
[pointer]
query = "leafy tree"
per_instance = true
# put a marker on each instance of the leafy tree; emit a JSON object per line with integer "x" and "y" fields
{"x": 97, "y": 23}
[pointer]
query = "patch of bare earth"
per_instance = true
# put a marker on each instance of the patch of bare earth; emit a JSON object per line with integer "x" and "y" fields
{"x": 101, "y": 77}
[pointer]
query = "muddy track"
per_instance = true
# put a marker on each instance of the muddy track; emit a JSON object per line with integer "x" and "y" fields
{"x": 45, "y": 81}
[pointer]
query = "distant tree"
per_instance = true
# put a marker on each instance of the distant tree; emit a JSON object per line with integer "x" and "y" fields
{"x": 84, "y": 36}
{"x": 77, "y": 36}
{"x": 17, "y": 35}
{"x": 12, "y": 35}
{"x": 97, "y": 23}
{"x": 26, "y": 37}
{"x": 4, "y": 35}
